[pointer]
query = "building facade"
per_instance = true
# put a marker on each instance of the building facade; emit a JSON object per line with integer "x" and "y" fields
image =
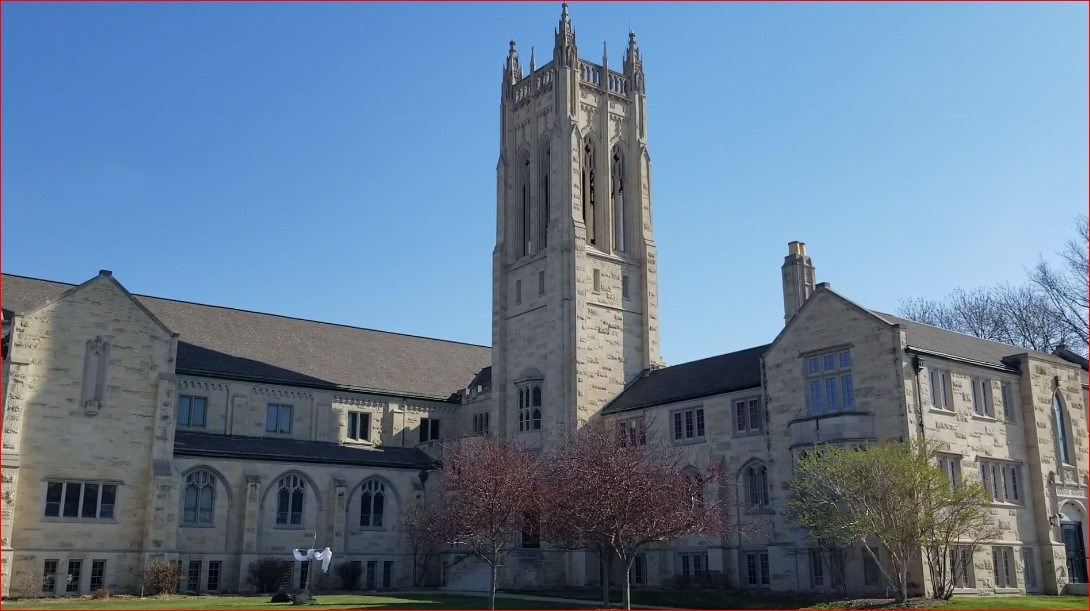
{"x": 139, "y": 428}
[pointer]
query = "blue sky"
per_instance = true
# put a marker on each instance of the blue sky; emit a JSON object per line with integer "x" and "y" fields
{"x": 337, "y": 161}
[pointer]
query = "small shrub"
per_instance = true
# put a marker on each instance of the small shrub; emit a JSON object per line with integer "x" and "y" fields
{"x": 26, "y": 584}
{"x": 162, "y": 577}
{"x": 267, "y": 573}
{"x": 349, "y": 573}
{"x": 100, "y": 593}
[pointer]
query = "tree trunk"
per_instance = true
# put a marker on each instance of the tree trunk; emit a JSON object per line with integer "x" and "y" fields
{"x": 626, "y": 596}
{"x": 492, "y": 586}
{"x": 904, "y": 584}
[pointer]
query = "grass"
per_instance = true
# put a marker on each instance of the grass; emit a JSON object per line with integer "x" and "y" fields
{"x": 329, "y": 601}
{"x": 688, "y": 599}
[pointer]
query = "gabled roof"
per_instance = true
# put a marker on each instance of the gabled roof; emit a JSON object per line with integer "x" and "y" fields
{"x": 711, "y": 376}
{"x": 211, "y": 445}
{"x": 960, "y": 346}
{"x": 239, "y": 344}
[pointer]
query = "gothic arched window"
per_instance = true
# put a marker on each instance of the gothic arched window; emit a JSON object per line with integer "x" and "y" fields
{"x": 588, "y": 191}
{"x": 289, "y": 500}
{"x": 543, "y": 209}
{"x": 755, "y": 482}
{"x": 372, "y": 503}
{"x": 620, "y": 214}
{"x": 1063, "y": 448}
{"x": 524, "y": 206}
{"x": 199, "y": 497}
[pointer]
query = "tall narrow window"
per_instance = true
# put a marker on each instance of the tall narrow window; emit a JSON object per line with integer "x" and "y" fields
{"x": 756, "y": 484}
{"x": 1062, "y": 448}
{"x": 94, "y": 374}
{"x": 214, "y": 569}
{"x": 588, "y": 192}
{"x": 940, "y": 390}
{"x": 289, "y": 500}
{"x": 193, "y": 578}
{"x": 49, "y": 577}
{"x": 359, "y": 426}
{"x": 191, "y": 411}
{"x": 543, "y": 209}
{"x": 200, "y": 491}
{"x": 75, "y": 567}
{"x": 524, "y": 207}
{"x": 620, "y": 240}
{"x": 373, "y": 504}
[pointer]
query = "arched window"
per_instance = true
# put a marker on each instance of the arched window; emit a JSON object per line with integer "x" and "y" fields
{"x": 588, "y": 191}
{"x": 1063, "y": 448}
{"x": 620, "y": 216}
{"x": 200, "y": 497}
{"x": 289, "y": 500}
{"x": 755, "y": 481}
{"x": 372, "y": 503}
{"x": 522, "y": 217}
{"x": 543, "y": 209}
{"x": 529, "y": 402}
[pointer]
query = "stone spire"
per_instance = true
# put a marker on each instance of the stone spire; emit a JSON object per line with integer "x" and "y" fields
{"x": 565, "y": 53}
{"x": 512, "y": 71}
{"x": 533, "y": 62}
{"x": 633, "y": 63}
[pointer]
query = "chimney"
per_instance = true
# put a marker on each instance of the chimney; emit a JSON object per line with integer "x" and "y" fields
{"x": 798, "y": 279}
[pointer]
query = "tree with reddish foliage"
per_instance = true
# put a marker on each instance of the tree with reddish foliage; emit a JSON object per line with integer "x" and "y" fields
{"x": 613, "y": 490}
{"x": 486, "y": 488}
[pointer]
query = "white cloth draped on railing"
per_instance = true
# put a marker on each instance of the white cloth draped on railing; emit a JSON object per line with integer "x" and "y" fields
{"x": 324, "y": 555}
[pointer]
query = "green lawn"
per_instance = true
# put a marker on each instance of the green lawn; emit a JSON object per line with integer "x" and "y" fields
{"x": 692, "y": 598}
{"x": 329, "y": 601}
{"x": 1017, "y": 602}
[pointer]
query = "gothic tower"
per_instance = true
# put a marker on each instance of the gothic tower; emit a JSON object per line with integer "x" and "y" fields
{"x": 574, "y": 288}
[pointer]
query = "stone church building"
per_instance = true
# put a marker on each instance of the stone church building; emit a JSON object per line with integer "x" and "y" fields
{"x": 138, "y": 428}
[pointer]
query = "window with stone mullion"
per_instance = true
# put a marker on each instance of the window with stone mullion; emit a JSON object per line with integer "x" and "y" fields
{"x": 829, "y": 382}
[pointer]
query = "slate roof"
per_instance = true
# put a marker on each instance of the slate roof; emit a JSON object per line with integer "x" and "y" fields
{"x": 239, "y": 344}
{"x": 211, "y": 445}
{"x": 711, "y": 376}
{"x": 959, "y": 345}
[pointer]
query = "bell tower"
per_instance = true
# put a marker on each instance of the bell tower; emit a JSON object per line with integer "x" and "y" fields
{"x": 574, "y": 283}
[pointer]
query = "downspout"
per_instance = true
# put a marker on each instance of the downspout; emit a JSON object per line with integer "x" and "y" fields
{"x": 917, "y": 365}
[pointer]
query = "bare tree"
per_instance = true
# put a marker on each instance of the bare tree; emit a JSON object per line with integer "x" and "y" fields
{"x": 956, "y": 526}
{"x": 486, "y": 490}
{"x": 421, "y": 525}
{"x": 1047, "y": 312}
{"x": 1067, "y": 287}
{"x": 622, "y": 492}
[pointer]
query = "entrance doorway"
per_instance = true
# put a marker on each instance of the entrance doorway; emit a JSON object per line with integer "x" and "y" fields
{"x": 1076, "y": 551}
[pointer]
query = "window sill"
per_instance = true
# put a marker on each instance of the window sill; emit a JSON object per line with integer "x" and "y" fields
{"x": 289, "y": 527}
{"x": 80, "y": 520}
{"x": 689, "y": 442}
{"x": 757, "y": 433}
{"x": 1004, "y": 505}
{"x": 196, "y": 525}
{"x": 359, "y": 442}
{"x": 369, "y": 529}
{"x": 1008, "y": 591}
{"x": 984, "y": 418}
{"x": 944, "y": 412}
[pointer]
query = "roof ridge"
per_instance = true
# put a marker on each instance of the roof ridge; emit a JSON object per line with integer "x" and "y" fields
{"x": 714, "y": 356}
{"x": 243, "y": 310}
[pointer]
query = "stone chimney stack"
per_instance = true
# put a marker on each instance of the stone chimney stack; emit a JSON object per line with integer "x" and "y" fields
{"x": 798, "y": 279}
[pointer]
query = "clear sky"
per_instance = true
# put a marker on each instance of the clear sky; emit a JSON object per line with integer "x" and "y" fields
{"x": 337, "y": 161}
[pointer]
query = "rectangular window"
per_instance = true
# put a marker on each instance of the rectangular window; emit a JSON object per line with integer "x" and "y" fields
{"x": 541, "y": 282}
{"x": 429, "y": 429}
{"x": 639, "y": 570}
{"x": 80, "y": 500}
{"x": 940, "y": 390}
{"x": 981, "y": 397}
{"x": 757, "y": 573}
{"x": 1003, "y": 567}
{"x": 359, "y": 426}
{"x": 817, "y": 569}
{"x": 518, "y": 291}
{"x": 73, "y": 578}
{"x": 960, "y": 566}
{"x": 278, "y": 418}
{"x": 693, "y": 564}
{"x": 1010, "y": 411}
{"x": 372, "y": 568}
{"x": 950, "y": 465}
{"x": 480, "y": 423}
{"x": 747, "y": 416}
{"x": 191, "y": 411}
{"x": 214, "y": 567}
{"x": 1002, "y": 481}
{"x": 1029, "y": 569}
{"x": 830, "y": 382}
{"x": 632, "y": 432}
{"x": 624, "y": 287}
{"x": 49, "y": 577}
{"x": 387, "y": 573}
{"x": 689, "y": 424}
{"x": 98, "y": 575}
{"x": 193, "y": 577}
{"x": 357, "y": 567}
{"x": 597, "y": 280}
{"x": 870, "y": 568}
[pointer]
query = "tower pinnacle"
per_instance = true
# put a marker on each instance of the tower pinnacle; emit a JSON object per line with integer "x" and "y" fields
{"x": 564, "y": 53}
